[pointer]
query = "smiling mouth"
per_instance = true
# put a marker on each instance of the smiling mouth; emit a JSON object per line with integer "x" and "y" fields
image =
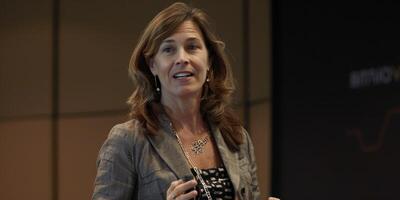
{"x": 182, "y": 75}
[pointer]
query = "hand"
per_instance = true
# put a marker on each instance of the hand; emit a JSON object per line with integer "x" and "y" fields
{"x": 177, "y": 189}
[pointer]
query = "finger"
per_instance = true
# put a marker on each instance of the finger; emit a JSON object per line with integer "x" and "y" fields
{"x": 173, "y": 185}
{"x": 182, "y": 188}
{"x": 187, "y": 196}
{"x": 172, "y": 195}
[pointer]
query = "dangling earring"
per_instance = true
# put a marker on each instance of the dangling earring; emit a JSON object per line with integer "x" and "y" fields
{"x": 207, "y": 78}
{"x": 204, "y": 94}
{"x": 155, "y": 82}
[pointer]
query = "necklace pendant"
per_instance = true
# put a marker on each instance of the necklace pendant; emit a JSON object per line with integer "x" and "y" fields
{"x": 198, "y": 145}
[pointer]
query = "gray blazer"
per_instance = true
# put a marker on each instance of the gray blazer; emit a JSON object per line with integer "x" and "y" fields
{"x": 134, "y": 165}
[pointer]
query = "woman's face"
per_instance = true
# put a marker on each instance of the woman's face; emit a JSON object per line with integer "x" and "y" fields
{"x": 181, "y": 63}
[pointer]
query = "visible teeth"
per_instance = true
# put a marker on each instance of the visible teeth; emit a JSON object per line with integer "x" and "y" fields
{"x": 181, "y": 75}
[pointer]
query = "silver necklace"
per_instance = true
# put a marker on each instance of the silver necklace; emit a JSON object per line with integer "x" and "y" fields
{"x": 197, "y": 175}
{"x": 198, "y": 145}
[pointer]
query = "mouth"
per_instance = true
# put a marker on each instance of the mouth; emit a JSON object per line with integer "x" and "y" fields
{"x": 181, "y": 75}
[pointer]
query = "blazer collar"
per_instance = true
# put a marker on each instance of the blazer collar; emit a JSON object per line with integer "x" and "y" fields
{"x": 229, "y": 158}
{"x": 166, "y": 145}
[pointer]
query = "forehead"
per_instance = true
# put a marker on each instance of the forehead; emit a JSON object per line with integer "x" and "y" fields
{"x": 187, "y": 28}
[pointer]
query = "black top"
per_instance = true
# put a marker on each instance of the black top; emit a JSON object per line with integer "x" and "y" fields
{"x": 218, "y": 183}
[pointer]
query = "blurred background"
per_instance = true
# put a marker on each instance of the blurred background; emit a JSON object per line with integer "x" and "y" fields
{"x": 64, "y": 84}
{"x": 322, "y": 76}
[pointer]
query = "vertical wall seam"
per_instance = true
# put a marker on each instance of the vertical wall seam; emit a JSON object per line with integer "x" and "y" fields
{"x": 55, "y": 99}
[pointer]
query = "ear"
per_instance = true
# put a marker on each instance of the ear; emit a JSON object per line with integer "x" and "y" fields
{"x": 152, "y": 67}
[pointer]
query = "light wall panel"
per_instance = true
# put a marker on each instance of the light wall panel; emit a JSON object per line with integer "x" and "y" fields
{"x": 260, "y": 87}
{"x": 25, "y": 159}
{"x": 260, "y": 127}
{"x": 80, "y": 139}
{"x": 260, "y": 49}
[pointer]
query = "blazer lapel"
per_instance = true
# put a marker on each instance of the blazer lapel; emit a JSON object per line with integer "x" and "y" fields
{"x": 229, "y": 158}
{"x": 167, "y": 146}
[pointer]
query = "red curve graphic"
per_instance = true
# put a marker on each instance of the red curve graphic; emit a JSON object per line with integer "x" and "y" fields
{"x": 381, "y": 135}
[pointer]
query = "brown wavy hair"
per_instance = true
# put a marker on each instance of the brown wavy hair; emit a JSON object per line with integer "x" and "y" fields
{"x": 216, "y": 97}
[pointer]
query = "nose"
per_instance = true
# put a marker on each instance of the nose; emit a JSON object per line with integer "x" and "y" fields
{"x": 182, "y": 58}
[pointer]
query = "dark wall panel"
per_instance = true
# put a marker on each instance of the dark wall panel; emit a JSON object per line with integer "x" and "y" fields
{"x": 337, "y": 85}
{"x": 25, "y": 58}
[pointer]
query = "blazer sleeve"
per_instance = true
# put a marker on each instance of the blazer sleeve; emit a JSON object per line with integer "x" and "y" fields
{"x": 253, "y": 167}
{"x": 115, "y": 179}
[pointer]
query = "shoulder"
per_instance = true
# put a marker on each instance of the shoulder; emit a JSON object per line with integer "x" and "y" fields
{"x": 246, "y": 136}
{"x": 122, "y": 137}
{"x": 225, "y": 140}
{"x": 127, "y": 131}
{"x": 247, "y": 144}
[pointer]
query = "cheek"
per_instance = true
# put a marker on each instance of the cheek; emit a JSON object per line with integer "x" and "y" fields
{"x": 205, "y": 67}
{"x": 203, "y": 62}
{"x": 161, "y": 67}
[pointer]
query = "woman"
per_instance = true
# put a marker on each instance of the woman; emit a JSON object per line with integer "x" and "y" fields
{"x": 183, "y": 140}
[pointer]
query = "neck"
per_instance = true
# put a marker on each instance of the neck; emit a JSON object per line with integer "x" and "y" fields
{"x": 185, "y": 114}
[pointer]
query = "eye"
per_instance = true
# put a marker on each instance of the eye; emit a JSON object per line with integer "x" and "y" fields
{"x": 193, "y": 47}
{"x": 167, "y": 49}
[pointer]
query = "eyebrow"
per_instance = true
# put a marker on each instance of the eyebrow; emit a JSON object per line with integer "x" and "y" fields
{"x": 189, "y": 39}
{"x": 193, "y": 39}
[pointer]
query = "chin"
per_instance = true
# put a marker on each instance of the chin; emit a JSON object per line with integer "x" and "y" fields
{"x": 188, "y": 93}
